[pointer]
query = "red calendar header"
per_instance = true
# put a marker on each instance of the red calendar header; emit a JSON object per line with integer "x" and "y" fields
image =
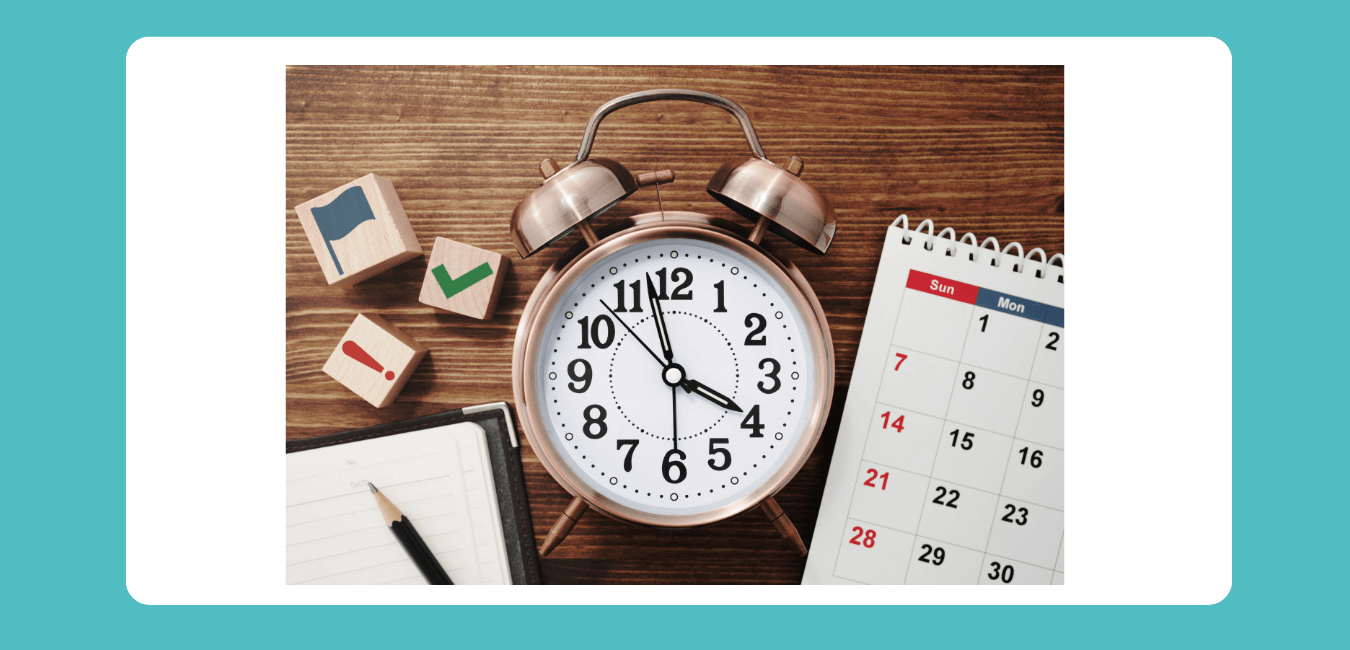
{"x": 959, "y": 291}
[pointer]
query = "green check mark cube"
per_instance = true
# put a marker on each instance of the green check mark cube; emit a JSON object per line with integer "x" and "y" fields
{"x": 452, "y": 286}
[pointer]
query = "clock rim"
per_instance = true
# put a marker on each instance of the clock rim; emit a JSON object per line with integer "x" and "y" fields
{"x": 633, "y": 230}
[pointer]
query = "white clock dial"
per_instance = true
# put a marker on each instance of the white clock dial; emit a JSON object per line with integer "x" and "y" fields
{"x": 693, "y": 433}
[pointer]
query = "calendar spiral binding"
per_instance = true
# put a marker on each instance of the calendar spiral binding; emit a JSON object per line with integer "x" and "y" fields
{"x": 1018, "y": 266}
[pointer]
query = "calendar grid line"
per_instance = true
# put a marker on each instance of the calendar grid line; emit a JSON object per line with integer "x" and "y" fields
{"x": 1057, "y": 554}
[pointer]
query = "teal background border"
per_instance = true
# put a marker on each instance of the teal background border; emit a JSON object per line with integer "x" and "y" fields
{"x": 63, "y": 361}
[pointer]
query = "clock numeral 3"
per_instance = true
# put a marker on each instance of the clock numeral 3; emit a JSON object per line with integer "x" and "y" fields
{"x": 772, "y": 374}
{"x": 597, "y": 420}
{"x": 750, "y": 321}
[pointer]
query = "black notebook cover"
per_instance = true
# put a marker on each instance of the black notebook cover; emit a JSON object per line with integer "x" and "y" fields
{"x": 508, "y": 475}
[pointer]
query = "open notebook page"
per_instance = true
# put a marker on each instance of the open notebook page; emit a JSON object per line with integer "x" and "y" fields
{"x": 440, "y": 478}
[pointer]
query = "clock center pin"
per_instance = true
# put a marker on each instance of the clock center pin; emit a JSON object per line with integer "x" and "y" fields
{"x": 673, "y": 375}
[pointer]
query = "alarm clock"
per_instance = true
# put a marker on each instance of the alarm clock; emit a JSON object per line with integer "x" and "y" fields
{"x": 668, "y": 371}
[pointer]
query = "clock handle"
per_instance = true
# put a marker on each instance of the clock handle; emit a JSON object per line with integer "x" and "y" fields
{"x": 783, "y": 524}
{"x": 570, "y": 516}
{"x": 665, "y": 94}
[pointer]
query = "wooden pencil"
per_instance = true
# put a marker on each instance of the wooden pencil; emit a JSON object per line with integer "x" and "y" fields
{"x": 407, "y": 536}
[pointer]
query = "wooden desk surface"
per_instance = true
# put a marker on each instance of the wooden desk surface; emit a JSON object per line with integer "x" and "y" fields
{"x": 980, "y": 149}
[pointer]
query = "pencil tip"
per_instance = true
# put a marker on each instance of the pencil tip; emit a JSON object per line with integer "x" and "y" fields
{"x": 373, "y": 489}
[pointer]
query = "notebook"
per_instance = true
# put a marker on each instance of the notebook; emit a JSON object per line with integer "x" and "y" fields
{"x": 949, "y": 467}
{"x": 455, "y": 475}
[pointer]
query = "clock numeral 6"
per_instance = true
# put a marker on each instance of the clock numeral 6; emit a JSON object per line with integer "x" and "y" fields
{"x": 584, "y": 377}
{"x": 597, "y": 420}
{"x": 713, "y": 449}
{"x": 627, "y": 460}
{"x": 667, "y": 464}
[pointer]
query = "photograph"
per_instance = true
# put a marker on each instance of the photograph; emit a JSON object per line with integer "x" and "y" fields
{"x": 713, "y": 325}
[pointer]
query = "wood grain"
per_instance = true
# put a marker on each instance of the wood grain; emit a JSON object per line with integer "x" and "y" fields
{"x": 980, "y": 149}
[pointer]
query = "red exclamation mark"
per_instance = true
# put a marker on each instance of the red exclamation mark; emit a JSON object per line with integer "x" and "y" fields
{"x": 351, "y": 349}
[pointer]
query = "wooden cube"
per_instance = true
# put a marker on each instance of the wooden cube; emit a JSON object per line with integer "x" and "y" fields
{"x": 358, "y": 230}
{"x": 374, "y": 359}
{"x": 463, "y": 279}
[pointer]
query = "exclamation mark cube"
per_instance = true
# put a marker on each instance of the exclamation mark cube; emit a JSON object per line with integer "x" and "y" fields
{"x": 374, "y": 359}
{"x": 358, "y": 230}
{"x": 463, "y": 279}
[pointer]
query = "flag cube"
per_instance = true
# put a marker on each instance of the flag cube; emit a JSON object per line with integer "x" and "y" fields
{"x": 463, "y": 279}
{"x": 374, "y": 359}
{"x": 358, "y": 230}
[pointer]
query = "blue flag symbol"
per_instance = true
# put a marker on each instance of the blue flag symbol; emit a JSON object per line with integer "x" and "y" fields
{"x": 339, "y": 218}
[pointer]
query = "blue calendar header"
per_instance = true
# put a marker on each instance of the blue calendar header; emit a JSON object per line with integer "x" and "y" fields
{"x": 1030, "y": 309}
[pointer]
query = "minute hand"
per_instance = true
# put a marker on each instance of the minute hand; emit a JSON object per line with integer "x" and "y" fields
{"x": 660, "y": 320}
{"x": 710, "y": 395}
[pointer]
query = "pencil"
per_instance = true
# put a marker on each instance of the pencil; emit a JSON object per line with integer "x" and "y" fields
{"x": 412, "y": 542}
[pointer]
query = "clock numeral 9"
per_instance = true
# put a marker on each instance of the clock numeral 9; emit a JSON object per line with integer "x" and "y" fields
{"x": 713, "y": 449}
{"x": 627, "y": 460}
{"x": 584, "y": 377}
{"x": 598, "y": 420}
{"x": 772, "y": 374}
{"x": 593, "y": 329}
{"x": 750, "y": 320}
{"x": 667, "y": 464}
{"x": 751, "y": 422}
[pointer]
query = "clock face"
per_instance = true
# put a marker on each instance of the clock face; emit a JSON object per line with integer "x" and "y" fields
{"x": 679, "y": 397}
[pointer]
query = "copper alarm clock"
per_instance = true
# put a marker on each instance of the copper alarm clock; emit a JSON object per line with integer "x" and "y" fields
{"x": 668, "y": 371}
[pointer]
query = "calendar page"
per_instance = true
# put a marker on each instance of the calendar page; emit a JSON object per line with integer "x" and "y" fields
{"x": 949, "y": 467}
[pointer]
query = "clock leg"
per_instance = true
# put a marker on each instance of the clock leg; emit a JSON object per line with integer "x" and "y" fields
{"x": 564, "y": 525}
{"x": 783, "y": 524}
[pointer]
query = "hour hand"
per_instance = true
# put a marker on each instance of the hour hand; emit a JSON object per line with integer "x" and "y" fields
{"x": 710, "y": 395}
{"x": 660, "y": 320}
